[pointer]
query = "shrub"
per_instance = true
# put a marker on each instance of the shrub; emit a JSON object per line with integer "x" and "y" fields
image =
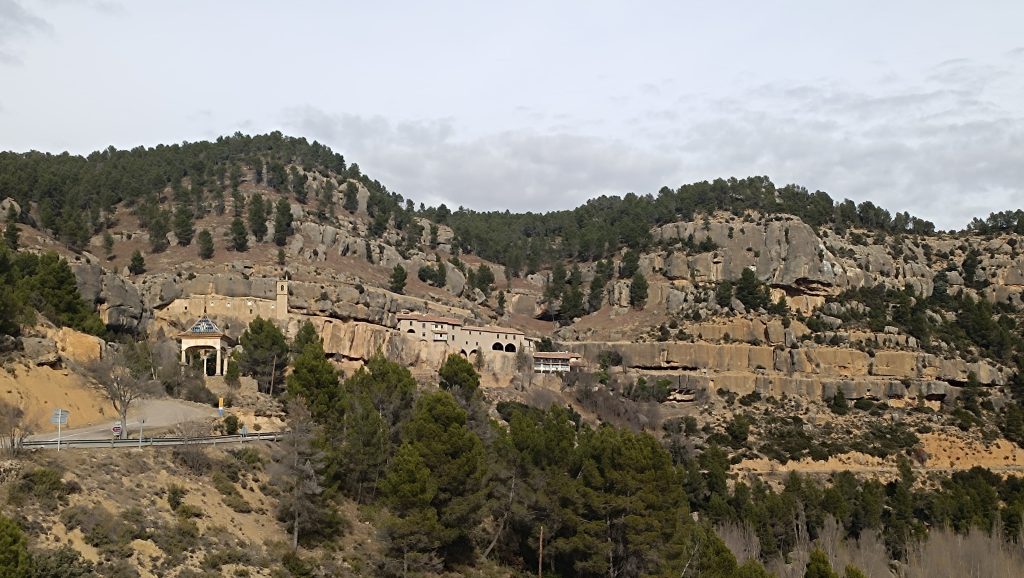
{"x": 44, "y": 485}
{"x": 229, "y": 493}
{"x": 64, "y": 562}
{"x": 231, "y": 425}
{"x": 864, "y": 404}
{"x": 175, "y": 496}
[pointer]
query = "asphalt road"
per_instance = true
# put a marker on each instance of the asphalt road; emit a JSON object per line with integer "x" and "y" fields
{"x": 157, "y": 413}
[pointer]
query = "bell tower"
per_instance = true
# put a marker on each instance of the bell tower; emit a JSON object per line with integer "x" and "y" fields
{"x": 282, "y": 300}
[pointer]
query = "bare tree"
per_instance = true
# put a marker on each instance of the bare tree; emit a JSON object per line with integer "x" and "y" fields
{"x": 121, "y": 386}
{"x": 12, "y": 428}
{"x": 294, "y": 471}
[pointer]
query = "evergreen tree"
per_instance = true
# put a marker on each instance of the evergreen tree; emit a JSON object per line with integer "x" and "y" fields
{"x": 233, "y": 375}
{"x": 14, "y": 556}
{"x": 257, "y": 217}
{"x": 159, "y": 226}
{"x": 305, "y": 336}
{"x": 282, "y": 222}
{"x": 630, "y": 264}
{"x": 752, "y": 293}
{"x": 264, "y": 354}
{"x": 11, "y": 233}
{"x": 137, "y": 265}
{"x": 819, "y": 566}
{"x": 239, "y": 236}
{"x": 638, "y": 290}
{"x": 298, "y": 184}
{"x": 458, "y": 376}
{"x": 398, "y": 278}
{"x": 235, "y": 176}
{"x": 453, "y": 456}
{"x": 108, "y": 245}
{"x": 723, "y": 294}
{"x": 184, "y": 228}
{"x": 238, "y": 203}
{"x": 205, "y": 242}
{"x": 484, "y": 279}
{"x": 572, "y": 304}
{"x": 294, "y": 471}
{"x": 351, "y": 202}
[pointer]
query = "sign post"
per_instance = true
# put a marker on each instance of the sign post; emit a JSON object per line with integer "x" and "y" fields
{"x": 142, "y": 420}
{"x": 59, "y": 417}
{"x": 220, "y": 407}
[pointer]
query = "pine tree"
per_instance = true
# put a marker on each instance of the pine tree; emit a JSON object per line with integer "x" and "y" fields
{"x": 351, "y": 202}
{"x": 233, "y": 375}
{"x": 458, "y": 376}
{"x": 159, "y": 226}
{"x": 11, "y": 233}
{"x": 239, "y": 236}
{"x": 257, "y": 217}
{"x": 137, "y": 266}
{"x": 818, "y": 566}
{"x": 238, "y": 204}
{"x": 14, "y": 556}
{"x": 264, "y": 354}
{"x": 205, "y": 242}
{"x": 298, "y": 184}
{"x": 312, "y": 377}
{"x": 184, "y": 228}
{"x": 398, "y": 278}
{"x": 108, "y": 245}
{"x": 638, "y": 290}
{"x": 440, "y": 444}
{"x": 282, "y": 222}
{"x": 294, "y": 471}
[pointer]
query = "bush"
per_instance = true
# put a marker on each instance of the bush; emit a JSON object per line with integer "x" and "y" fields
{"x": 64, "y": 562}
{"x": 44, "y": 485}
{"x": 864, "y": 404}
{"x": 229, "y": 493}
{"x": 175, "y": 496}
{"x": 231, "y": 425}
{"x": 100, "y": 529}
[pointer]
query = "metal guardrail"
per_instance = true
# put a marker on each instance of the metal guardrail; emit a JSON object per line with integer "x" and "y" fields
{"x": 150, "y": 442}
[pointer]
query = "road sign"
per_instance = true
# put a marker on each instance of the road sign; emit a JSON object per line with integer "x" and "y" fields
{"x": 116, "y": 429}
{"x": 59, "y": 418}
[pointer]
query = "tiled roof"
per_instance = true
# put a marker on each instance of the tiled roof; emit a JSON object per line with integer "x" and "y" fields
{"x": 555, "y": 355}
{"x": 204, "y": 326}
{"x": 493, "y": 329}
{"x": 429, "y": 318}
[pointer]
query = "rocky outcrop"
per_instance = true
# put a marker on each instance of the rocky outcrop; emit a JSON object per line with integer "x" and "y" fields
{"x": 117, "y": 300}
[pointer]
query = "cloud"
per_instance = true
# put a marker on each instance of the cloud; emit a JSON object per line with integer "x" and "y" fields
{"x": 520, "y": 170}
{"x": 944, "y": 147}
{"x": 17, "y": 22}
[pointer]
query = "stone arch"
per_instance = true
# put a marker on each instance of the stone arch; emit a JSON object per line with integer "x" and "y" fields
{"x": 410, "y": 330}
{"x": 474, "y": 352}
{"x": 497, "y": 346}
{"x": 511, "y": 347}
{"x": 463, "y": 353}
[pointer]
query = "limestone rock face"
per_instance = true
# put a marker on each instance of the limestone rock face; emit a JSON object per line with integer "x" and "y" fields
{"x": 40, "y": 350}
{"x": 118, "y": 301}
{"x": 76, "y": 346}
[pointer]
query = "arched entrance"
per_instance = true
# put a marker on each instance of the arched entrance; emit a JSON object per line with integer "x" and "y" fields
{"x": 205, "y": 344}
{"x": 497, "y": 347}
{"x": 511, "y": 348}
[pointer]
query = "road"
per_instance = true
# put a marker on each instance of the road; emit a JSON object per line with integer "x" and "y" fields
{"x": 157, "y": 413}
{"x": 111, "y": 443}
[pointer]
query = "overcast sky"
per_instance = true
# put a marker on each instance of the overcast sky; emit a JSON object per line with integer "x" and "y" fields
{"x": 915, "y": 105}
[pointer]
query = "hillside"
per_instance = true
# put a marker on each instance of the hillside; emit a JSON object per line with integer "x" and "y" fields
{"x": 752, "y": 330}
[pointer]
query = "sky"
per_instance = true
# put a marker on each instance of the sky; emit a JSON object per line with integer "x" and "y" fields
{"x": 915, "y": 105}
